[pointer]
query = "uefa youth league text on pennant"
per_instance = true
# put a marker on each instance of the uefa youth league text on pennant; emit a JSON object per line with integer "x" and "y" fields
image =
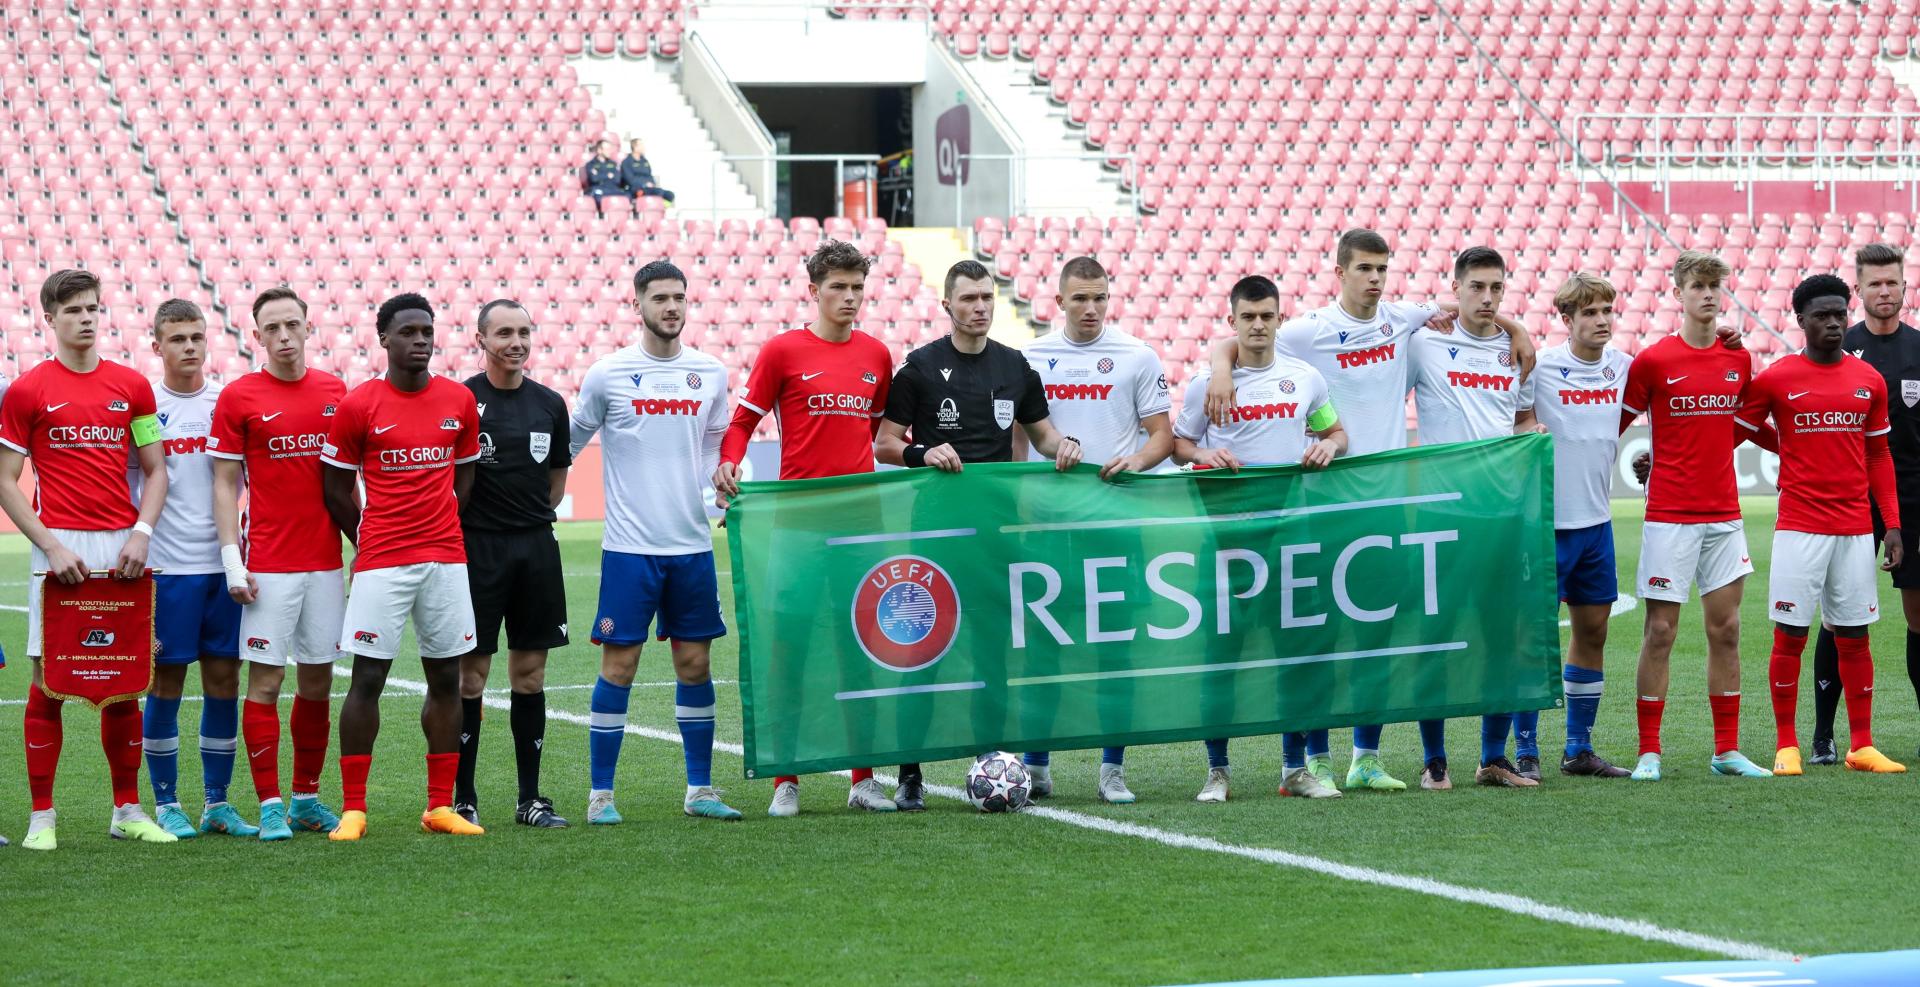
{"x": 916, "y": 615}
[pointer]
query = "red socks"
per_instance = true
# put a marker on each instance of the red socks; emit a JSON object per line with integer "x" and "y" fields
{"x": 120, "y": 739}
{"x": 861, "y": 774}
{"x": 353, "y": 781}
{"x": 1650, "y": 711}
{"x": 260, "y": 726}
{"x": 43, "y": 746}
{"x": 1726, "y": 722}
{"x": 441, "y": 769}
{"x": 1783, "y": 679}
{"x": 1856, "y": 678}
{"x": 310, "y": 730}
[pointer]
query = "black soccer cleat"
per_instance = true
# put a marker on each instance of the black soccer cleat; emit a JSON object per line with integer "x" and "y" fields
{"x": 467, "y": 811}
{"x": 910, "y": 795}
{"x": 538, "y": 813}
{"x": 1591, "y": 765}
{"x": 1528, "y": 767}
{"x": 1823, "y": 752}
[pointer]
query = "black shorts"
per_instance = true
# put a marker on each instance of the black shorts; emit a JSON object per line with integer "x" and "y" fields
{"x": 1908, "y": 575}
{"x": 517, "y": 577}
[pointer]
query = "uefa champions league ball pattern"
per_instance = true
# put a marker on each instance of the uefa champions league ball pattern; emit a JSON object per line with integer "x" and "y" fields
{"x": 998, "y": 782}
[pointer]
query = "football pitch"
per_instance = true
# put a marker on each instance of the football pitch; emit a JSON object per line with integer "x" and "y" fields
{"x": 1163, "y": 892}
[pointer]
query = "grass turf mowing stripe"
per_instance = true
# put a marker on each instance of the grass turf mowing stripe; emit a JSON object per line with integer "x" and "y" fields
{"x": 1511, "y": 903}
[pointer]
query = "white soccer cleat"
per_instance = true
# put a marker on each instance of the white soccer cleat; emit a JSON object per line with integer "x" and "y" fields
{"x": 1305, "y": 784}
{"x": 786, "y": 800}
{"x": 870, "y": 796}
{"x": 1040, "y": 784}
{"x": 1648, "y": 769}
{"x": 1113, "y": 785}
{"x": 1215, "y": 790}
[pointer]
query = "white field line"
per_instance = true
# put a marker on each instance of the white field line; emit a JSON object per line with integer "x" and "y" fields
{"x": 1513, "y": 904}
{"x": 1624, "y": 604}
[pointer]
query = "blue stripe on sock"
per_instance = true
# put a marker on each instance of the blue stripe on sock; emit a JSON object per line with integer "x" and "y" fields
{"x": 1217, "y": 753}
{"x": 1037, "y": 759}
{"x": 161, "y": 725}
{"x": 1493, "y": 736}
{"x": 696, "y": 731}
{"x": 1433, "y": 739}
{"x": 1526, "y": 733}
{"x": 609, "y": 709}
{"x": 1583, "y": 704}
{"x": 219, "y": 737}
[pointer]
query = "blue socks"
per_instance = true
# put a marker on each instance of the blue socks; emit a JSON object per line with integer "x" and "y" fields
{"x": 1433, "y": 740}
{"x": 1217, "y": 753}
{"x": 1367, "y": 739}
{"x": 607, "y": 728}
{"x": 1526, "y": 733}
{"x": 1293, "y": 750}
{"x": 219, "y": 736}
{"x": 1317, "y": 743}
{"x": 1493, "y": 736}
{"x": 1037, "y": 759}
{"x": 1113, "y": 755}
{"x": 693, "y": 710}
{"x": 1583, "y": 704}
{"x": 160, "y": 736}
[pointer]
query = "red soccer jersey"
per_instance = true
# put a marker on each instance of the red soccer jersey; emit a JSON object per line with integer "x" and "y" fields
{"x": 79, "y": 430}
{"x": 1691, "y": 396}
{"x": 405, "y": 447}
{"x": 1824, "y": 414}
{"x": 276, "y": 428}
{"x": 829, "y": 398}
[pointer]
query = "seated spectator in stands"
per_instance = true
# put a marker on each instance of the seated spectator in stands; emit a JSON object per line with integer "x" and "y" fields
{"x": 637, "y": 174}
{"x": 601, "y": 178}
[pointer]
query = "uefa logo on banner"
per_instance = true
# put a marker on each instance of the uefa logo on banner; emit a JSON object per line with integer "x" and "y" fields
{"x": 906, "y": 613}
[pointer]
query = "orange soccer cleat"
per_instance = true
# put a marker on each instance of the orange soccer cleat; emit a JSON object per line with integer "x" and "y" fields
{"x": 444, "y": 820}
{"x": 353, "y": 825}
{"x": 1871, "y": 760}
{"x": 1786, "y": 761}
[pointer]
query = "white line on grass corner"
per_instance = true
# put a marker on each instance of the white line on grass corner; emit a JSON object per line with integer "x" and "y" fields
{"x": 1624, "y": 604}
{"x": 1510, "y": 903}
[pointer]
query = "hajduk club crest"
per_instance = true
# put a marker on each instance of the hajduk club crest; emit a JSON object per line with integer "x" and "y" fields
{"x": 906, "y": 613}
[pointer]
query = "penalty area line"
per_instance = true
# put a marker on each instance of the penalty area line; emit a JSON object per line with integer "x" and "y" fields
{"x": 1501, "y": 901}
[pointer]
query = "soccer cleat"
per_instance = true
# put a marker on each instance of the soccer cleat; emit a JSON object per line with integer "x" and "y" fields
{"x": 467, "y": 811}
{"x": 786, "y": 800}
{"x": 601, "y": 811}
{"x": 1527, "y": 766}
{"x": 1302, "y": 783}
{"x": 445, "y": 820}
{"x": 273, "y": 822}
{"x": 1500, "y": 773}
{"x": 1321, "y": 767}
{"x": 538, "y": 813}
{"x": 1041, "y": 784}
{"x": 1824, "y": 752}
{"x": 3, "y": 841}
{"x": 1647, "y": 769}
{"x": 1786, "y": 761}
{"x": 312, "y": 815}
{"x": 224, "y": 818}
{"x": 1590, "y": 765}
{"x": 1734, "y": 764}
{"x": 704, "y": 803}
{"x": 1215, "y": 790}
{"x": 353, "y": 826}
{"x": 1366, "y": 771}
{"x": 174, "y": 820}
{"x": 130, "y": 822}
{"x": 866, "y": 795}
{"x": 910, "y": 795}
{"x": 1434, "y": 778}
{"x": 40, "y": 832}
{"x": 1113, "y": 785}
{"x": 1872, "y": 761}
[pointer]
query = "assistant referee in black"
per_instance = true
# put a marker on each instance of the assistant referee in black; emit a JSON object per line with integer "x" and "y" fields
{"x": 1892, "y": 347}
{"x": 513, "y": 555}
{"x": 955, "y": 401}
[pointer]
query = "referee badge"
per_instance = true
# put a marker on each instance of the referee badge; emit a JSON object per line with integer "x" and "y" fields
{"x": 1003, "y": 412}
{"x": 537, "y": 445}
{"x": 1910, "y": 392}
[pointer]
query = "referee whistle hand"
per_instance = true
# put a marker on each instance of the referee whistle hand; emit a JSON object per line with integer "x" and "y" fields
{"x": 65, "y": 566}
{"x": 1896, "y": 550}
{"x": 943, "y": 458}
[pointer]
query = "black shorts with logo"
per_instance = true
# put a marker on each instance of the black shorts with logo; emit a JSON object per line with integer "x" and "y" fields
{"x": 516, "y": 577}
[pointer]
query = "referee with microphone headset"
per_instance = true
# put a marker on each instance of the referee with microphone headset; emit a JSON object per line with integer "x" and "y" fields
{"x": 955, "y": 401}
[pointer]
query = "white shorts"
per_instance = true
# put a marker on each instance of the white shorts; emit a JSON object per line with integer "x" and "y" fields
{"x": 1837, "y": 572}
{"x": 97, "y": 549}
{"x": 1675, "y": 557}
{"x": 435, "y": 593}
{"x": 297, "y": 615}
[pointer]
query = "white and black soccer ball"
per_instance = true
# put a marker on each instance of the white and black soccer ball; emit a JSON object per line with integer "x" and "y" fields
{"x": 998, "y": 782}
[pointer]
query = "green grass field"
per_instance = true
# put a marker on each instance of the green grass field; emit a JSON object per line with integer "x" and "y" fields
{"x": 1823, "y": 863}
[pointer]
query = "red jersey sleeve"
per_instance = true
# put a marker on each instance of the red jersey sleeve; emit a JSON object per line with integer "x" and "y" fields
{"x": 882, "y": 368}
{"x": 141, "y": 400}
{"x": 1756, "y": 402}
{"x": 346, "y": 440}
{"x": 1639, "y": 394}
{"x": 1878, "y": 422}
{"x": 18, "y": 414}
{"x": 466, "y": 448}
{"x": 763, "y": 392}
{"x": 227, "y": 437}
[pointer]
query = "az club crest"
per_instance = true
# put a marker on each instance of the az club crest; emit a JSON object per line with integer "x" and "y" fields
{"x": 906, "y": 613}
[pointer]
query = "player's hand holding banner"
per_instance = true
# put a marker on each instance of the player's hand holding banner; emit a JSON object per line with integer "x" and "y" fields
{"x": 98, "y": 638}
{"x": 918, "y": 615}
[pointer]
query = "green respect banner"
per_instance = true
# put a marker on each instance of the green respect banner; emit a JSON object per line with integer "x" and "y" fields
{"x": 915, "y": 615}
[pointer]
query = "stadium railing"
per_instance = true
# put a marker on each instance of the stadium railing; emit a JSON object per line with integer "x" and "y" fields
{"x": 840, "y": 163}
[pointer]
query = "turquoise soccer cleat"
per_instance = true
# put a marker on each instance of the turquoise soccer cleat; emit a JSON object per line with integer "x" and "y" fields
{"x": 273, "y": 823}
{"x": 704, "y": 803}
{"x": 1648, "y": 768}
{"x": 1734, "y": 764}
{"x": 174, "y": 820}
{"x": 313, "y": 816}
{"x": 225, "y": 819}
{"x": 601, "y": 811}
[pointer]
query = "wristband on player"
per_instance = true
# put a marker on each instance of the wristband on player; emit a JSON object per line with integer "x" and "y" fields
{"x": 236, "y": 569}
{"x": 144, "y": 528}
{"x": 914, "y": 455}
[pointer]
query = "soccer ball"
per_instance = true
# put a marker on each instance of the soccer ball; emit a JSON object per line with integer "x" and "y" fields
{"x": 998, "y": 782}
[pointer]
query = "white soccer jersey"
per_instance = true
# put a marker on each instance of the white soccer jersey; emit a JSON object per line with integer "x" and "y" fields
{"x": 1464, "y": 387}
{"x": 184, "y": 542}
{"x": 1274, "y": 409}
{"x": 663, "y": 421}
{"x": 1579, "y": 402}
{"x": 1098, "y": 392}
{"x": 1365, "y": 365}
